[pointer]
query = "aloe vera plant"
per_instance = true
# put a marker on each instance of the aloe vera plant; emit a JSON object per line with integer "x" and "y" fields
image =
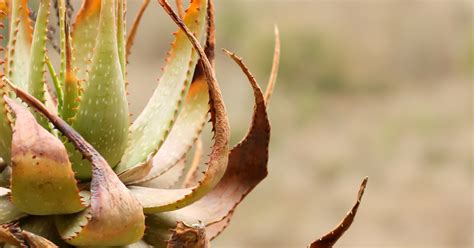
{"x": 77, "y": 173}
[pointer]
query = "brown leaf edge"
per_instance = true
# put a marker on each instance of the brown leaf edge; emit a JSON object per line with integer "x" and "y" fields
{"x": 328, "y": 240}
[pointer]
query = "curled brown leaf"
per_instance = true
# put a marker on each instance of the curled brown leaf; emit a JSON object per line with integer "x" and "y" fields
{"x": 328, "y": 240}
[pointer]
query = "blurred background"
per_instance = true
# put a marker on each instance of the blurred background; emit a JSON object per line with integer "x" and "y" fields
{"x": 366, "y": 88}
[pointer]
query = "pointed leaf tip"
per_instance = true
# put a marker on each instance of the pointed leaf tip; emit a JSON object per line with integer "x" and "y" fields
{"x": 328, "y": 240}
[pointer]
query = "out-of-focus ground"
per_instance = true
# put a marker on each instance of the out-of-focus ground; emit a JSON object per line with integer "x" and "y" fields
{"x": 366, "y": 88}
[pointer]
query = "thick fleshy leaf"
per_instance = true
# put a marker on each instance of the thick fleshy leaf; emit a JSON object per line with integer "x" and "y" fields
{"x": 71, "y": 84}
{"x": 121, "y": 9}
{"x": 193, "y": 236}
{"x": 186, "y": 130}
{"x": 169, "y": 178}
{"x": 19, "y": 44}
{"x": 60, "y": 6}
{"x": 42, "y": 177}
{"x": 8, "y": 211}
{"x": 156, "y": 200}
{"x": 247, "y": 167}
{"x": 134, "y": 29}
{"x": 328, "y": 240}
{"x": 13, "y": 235}
{"x": 114, "y": 217}
{"x": 189, "y": 123}
{"x": 84, "y": 35}
{"x": 36, "y": 72}
{"x": 5, "y": 127}
{"x": 102, "y": 118}
{"x": 153, "y": 125}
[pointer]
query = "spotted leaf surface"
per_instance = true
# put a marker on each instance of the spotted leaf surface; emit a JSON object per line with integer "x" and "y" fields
{"x": 19, "y": 43}
{"x": 84, "y": 35}
{"x": 102, "y": 118}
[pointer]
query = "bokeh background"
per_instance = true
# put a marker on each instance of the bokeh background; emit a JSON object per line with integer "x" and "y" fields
{"x": 378, "y": 88}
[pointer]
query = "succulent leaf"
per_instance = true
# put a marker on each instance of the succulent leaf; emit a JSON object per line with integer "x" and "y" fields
{"x": 19, "y": 44}
{"x": 102, "y": 118}
{"x": 36, "y": 72}
{"x": 84, "y": 35}
{"x": 71, "y": 85}
{"x": 158, "y": 200}
{"x": 121, "y": 8}
{"x": 169, "y": 178}
{"x": 5, "y": 127}
{"x": 42, "y": 177}
{"x": 328, "y": 240}
{"x": 152, "y": 126}
{"x": 247, "y": 167}
{"x": 8, "y": 211}
{"x": 185, "y": 131}
{"x": 192, "y": 117}
{"x": 113, "y": 211}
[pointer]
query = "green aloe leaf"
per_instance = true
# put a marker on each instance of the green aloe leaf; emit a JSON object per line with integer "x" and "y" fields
{"x": 121, "y": 9}
{"x": 102, "y": 118}
{"x": 71, "y": 85}
{"x": 8, "y": 211}
{"x": 159, "y": 200}
{"x": 152, "y": 126}
{"x": 84, "y": 34}
{"x": 5, "y": 127}
{"x": 42, "y": 181}
{"x": 190, "y": 121}
{"x": 36, "y": 72}
{"x": 185, "y": 131}
{"x": 115, "y": 217}
{"x": 19, "y": 44}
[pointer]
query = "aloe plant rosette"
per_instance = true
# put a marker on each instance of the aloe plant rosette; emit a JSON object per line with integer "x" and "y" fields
{"x": 77, "y": 173}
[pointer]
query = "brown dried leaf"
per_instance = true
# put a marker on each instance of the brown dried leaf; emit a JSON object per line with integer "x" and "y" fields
{"x": 328, "y": 240}
{"x": 185, "y": 236}
{"x": 247, "y": 167}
